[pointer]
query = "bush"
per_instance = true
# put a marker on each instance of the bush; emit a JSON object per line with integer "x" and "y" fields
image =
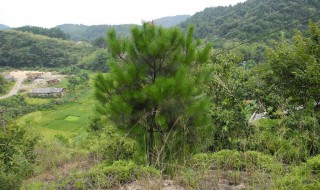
{"x": 16, "y": 156}
{"x": 51, "y": 155}
{"x": 235, "y": 160}
{"x": 230, "y": 167}
{"x": 109, "y": 144}
{"x": 273, "y": 136}
{"x": 304, "y": 176}
{"x": 104, "y": 176}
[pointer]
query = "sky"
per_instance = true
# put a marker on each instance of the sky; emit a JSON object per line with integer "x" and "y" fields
{"x": 50, "y": 13}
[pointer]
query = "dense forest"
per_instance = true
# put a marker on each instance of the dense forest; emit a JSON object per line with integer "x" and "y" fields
{"x": 80, "y": 32}
{"x": 90, "y": 33}
{"x": 52, "y": 32}
{"x": 253, "y": 18}
{"x": 22, "y": 49}
{"x": 150, "y": 107}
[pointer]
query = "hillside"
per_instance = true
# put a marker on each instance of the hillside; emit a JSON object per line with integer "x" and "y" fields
{"x": 52, "y": 32}
{"x": 2, "y": 27}
{"x": 171, "y": 21}
{"x": 253, "y": 18}
{"x": 89, "y": 33}
{"x": 22, "y": 49}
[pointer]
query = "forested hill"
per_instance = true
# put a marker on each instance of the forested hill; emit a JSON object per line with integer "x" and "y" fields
{"x": 2, "y": 27}
{"x": 79, "y": 32}
{"x": 22, "y": 49}
{"x": 171, "y": 21}
{"x": 52, "y": 32}
{"x": 253, "y": 18}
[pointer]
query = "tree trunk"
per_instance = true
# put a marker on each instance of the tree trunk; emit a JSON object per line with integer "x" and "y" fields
{"x": 150, "y": 145}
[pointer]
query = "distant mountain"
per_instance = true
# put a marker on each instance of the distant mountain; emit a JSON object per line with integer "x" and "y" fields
{"x": 253, "y": 18}
{"x": 171, "y": 21}
{"x": 79, "y": 32}
{"x": 2, "y": 27}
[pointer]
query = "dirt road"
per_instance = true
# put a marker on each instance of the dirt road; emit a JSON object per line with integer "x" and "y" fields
{"x": 19, "y": 76}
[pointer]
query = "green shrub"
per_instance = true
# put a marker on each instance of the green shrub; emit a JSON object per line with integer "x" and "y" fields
{"x": 313, "y": 165}
{"x": 228, "y": 160}
{"x": 304, "y": 176}
{"x": 272, "y": 136}
{"x": 16, "y": 156}
{"x": 235, "y": 160}
{"x": 106, "y": 176}
{"x": 110, "y": 145}
{"x": 51, "y": 155}
{"x": 257, "y": 160}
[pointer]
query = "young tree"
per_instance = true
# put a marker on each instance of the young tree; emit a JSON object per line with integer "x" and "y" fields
{"x": 292, "y": 71}
{"x": 152, "y": 91}
{"x": 226, "y": 87}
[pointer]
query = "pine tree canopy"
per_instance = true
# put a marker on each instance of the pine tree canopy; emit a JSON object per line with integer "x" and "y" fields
{"x": 153, "y": 89}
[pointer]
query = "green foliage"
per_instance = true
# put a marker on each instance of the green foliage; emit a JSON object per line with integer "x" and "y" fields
{"x": 91, "y": 33}
{"x": 291, "y": 75}
{"x": 250, "y": 19}
{"x": 16, "y": 156}
{"x": 3, "y": 85}
{"x": 110, "y": 144}
{"x": 235, "y": 160}
{"x": 253, "y": 169}
{"x": 152, "y": 91}
{"x": 20, "y": 49}
{"x": 100, "y": 42}
{"x": 96, "y": 61}
{"x": 52, "y": 32}
{"x": 287, "y": 86}
{"x": 51, "y": 155}
{"x": 226, "y": 87}
{"x": 272, "y": 136}
{"x": 304, "y": 176}
{"x": 105, "y": 176}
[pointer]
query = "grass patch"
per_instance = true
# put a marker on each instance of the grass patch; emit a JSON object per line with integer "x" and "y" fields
{"x": 72, "y": 118}
{"x": 36, "y": 101}
{"x": 66, "y": 120}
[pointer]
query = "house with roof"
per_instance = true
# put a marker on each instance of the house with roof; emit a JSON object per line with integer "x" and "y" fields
{"x": 47, "y": 92}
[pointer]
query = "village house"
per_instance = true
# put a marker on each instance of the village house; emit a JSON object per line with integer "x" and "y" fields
{"x": 47, "y": 92}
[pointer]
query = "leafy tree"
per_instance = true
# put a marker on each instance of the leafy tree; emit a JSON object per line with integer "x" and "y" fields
{"x": 152, "y": 91}
{"x": 292, "y": 71}
{"x": 226, "y": 86}
{"x": 100, "y": 42}
{"x": 96, "y": 61}
{"x": 287, "y": 86}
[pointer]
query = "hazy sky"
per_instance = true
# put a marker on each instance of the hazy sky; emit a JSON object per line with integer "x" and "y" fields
{"x": 49, "y": 13}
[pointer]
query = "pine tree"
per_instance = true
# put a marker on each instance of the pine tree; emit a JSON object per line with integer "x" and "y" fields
{"x": 152, "y": 91}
